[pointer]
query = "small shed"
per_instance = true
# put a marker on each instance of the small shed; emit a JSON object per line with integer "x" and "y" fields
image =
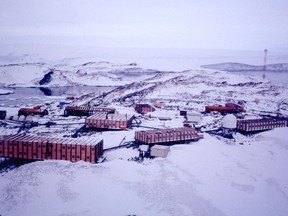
{"x": 193, "y": 117}
{"x": 144, "y": 108}
{"x": 159, "y": 151}
{"x": 158, "y": 105}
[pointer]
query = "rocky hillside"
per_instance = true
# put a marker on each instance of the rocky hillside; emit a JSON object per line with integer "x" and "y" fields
{"x": 89, "y": 73}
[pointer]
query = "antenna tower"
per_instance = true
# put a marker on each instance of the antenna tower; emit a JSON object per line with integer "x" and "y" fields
{"x": 265, "y": 59}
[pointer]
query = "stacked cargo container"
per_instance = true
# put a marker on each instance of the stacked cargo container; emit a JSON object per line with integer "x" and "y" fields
{"x": 51, "y": 148}
{"x": 167, "y": 135}
{"x": 253, "y": 125}
{"x": 86, "y": 110}
{"x": 109, "y": 121}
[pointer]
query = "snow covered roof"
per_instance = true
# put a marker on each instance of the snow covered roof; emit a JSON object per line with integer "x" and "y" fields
{"x": 162, "y": 147}
{"x": 116, "y": 117}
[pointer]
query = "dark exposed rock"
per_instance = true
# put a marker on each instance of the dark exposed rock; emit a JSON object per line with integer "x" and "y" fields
{"x": 47, "y": 78}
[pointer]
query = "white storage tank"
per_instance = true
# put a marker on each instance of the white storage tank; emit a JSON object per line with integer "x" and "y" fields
{"x": 229, "y": 121}
{"x": 229, "y": 125}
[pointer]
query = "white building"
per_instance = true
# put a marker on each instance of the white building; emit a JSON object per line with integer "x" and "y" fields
{"x": 159, "y": 151}
{"x": 193, "y": 117}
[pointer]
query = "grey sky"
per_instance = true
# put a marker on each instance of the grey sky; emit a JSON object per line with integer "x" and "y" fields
{"x": 220, "y": 24}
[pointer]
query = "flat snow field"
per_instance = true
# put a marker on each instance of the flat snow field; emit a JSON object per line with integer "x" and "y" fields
{"x": 209, "y": 177}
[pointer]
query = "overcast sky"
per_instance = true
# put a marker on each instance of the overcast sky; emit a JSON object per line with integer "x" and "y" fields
{"x": 209, "y": 24}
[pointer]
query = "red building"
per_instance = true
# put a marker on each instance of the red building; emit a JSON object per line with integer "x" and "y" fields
{"x": 144, "y": 108}
{"x": 228, "y": 108}
{"x": 37, "y": 110}
{"x": 254, "y": 125}
{"x": 109, "y": 121}
{"x": 51, "y": 148}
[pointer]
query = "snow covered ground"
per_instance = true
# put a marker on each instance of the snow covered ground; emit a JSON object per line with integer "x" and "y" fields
{"x": 5, "y": 92}
{"x": 213, "y": 176}
{"x": 88, "y": 73}
{"x": 209, "y": 177}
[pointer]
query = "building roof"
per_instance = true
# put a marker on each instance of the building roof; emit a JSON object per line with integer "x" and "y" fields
{"x": 169, "y": 130}
{"x": 116, "y": 117}
{"x": 160, "y": 147}
{"x": 54, "y": 140}
{"x": 247, "y": 121}
{"x": 88, "y": 108}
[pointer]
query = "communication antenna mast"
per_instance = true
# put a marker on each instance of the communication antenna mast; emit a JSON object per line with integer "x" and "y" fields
{"x": 265, "y": 59}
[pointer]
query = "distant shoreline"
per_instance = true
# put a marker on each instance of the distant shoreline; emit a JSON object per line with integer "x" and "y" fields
{"x": 239, "y": 67}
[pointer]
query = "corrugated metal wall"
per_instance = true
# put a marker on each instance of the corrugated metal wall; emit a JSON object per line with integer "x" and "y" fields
{"x": 41, "y": 148}
{"x": 260, "y": 124}
{"x": 166, "y": 135}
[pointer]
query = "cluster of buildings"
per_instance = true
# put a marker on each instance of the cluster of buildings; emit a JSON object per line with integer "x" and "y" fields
{"x": 231, "y": 124}
{"x": 154, "y": 142}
